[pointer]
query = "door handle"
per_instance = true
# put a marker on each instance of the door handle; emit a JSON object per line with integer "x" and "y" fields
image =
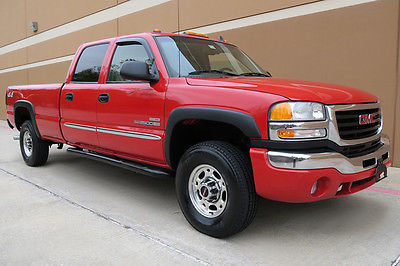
{"x": 69, "y": 97}
{"x": 104, "y": 97}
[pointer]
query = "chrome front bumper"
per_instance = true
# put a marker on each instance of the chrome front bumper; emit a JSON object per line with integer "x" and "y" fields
{"x": 308, "y": 161}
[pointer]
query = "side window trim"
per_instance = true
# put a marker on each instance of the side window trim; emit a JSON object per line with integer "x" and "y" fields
{"x": 125, "y": 81}
{"x": 77, "y": 62}
{"x": 127, "y": 41}
{"x": 84, "y": 82}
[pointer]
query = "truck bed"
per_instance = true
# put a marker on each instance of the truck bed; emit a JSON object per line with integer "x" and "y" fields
{"x": 45, "y": 101}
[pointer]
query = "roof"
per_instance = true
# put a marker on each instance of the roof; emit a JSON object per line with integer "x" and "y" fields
{"x": 148, "y": 34}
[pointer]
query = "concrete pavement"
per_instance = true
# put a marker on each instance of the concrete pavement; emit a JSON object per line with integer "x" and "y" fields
{"x": 79, "y": 211}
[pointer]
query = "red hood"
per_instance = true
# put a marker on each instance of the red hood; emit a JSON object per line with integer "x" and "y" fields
{"x": 291, "y": 89}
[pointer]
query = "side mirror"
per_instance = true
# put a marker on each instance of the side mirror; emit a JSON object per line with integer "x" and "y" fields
{"x": 136, "y": 70}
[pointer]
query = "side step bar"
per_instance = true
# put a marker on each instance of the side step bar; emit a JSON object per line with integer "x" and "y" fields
{"x": 129, "y": 165}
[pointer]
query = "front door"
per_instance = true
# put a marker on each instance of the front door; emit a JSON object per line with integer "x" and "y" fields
{"x": 130, "y": 114}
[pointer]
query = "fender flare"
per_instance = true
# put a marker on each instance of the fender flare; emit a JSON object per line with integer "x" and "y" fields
{"x": 245, "y": 122}
{"x": 28, "y": 105}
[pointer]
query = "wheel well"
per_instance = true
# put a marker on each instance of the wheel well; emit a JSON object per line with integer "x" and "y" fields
{"x": 21, "y": 115}
{"x": 189, "y": 132}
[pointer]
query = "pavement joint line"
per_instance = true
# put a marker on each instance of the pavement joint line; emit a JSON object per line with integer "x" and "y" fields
{"x": 396, "y": 262}
{"x": 384, "y": 191}
{"x": 107, "y": 218}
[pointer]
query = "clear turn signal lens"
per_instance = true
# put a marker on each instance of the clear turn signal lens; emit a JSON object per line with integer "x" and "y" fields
{"x": 302, "y": 133}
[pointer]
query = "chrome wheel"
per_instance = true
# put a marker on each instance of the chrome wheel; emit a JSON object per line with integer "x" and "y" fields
{"x": 28, "y": 144}
{"x": 207, "y": 191}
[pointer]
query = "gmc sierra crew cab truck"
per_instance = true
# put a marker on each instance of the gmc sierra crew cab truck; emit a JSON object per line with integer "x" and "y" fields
{"x": 200, "y": 110}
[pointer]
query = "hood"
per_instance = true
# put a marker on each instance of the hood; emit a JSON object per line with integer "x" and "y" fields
{"x": 291, "y": 89}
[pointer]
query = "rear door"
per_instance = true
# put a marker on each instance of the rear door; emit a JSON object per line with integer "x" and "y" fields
{"x": 130, "y": 114}
{"x": 78, "y": 100}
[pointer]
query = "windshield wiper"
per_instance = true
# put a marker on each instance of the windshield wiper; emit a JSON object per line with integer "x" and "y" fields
{"x": 212, "y": 71}
{"x": 255, "y": 74}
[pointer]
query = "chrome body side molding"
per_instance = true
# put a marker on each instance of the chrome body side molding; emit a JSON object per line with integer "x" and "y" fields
{"x": 124, "y": 133}
{"x": 79, "y": 126}
{"x": 128, "y": 133}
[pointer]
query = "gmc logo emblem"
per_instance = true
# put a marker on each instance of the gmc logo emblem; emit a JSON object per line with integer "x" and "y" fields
{"x": 366, "y": 119}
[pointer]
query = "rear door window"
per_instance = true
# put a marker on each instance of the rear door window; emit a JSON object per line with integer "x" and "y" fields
{"x": 89, "y": 64}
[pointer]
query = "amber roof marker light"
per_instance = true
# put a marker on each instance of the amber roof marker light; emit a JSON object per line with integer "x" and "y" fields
{"x": 196, "y": 34}
{"x": 156, "y": 31}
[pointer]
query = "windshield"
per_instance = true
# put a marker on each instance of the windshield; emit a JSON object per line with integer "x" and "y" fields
{"x": 186, "y": 56}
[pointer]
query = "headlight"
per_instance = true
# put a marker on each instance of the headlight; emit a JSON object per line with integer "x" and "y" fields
{"x": 297, "y": 111}
{"x": 297, "y": 121}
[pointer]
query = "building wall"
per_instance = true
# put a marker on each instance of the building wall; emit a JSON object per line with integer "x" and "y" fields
{"x": 353, "y": 42}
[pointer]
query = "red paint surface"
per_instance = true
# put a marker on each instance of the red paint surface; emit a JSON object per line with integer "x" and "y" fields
{"x": 295, "y": 185}
{"x": 140, "y": 101}
{"x": 291, "y": 89}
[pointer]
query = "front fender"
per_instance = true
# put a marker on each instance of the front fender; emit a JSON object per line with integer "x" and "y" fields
{"x": 245, "y": 122}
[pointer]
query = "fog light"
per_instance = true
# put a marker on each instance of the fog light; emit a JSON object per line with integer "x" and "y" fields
{"x": 314, "y": 188}
{"x": 320, "y": 187}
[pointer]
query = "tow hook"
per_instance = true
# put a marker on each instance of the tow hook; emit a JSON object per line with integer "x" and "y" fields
{"x": 16, "y": 137}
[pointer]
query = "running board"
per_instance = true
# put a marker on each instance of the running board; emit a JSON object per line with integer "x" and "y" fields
{"x": 129, "y": 165}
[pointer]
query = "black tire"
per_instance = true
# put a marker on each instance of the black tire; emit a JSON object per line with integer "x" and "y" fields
{"x": 235, "y": 167}
{"x": 40, "y": 148}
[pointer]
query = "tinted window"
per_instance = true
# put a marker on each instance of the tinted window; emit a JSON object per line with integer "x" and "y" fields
{"x": 186, "y": 56}
{"x": 125, "y": 53}
{"x": 89, "y": 64}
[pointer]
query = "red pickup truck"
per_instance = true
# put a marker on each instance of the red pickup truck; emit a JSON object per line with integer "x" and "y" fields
{"x": 202, "y": 111}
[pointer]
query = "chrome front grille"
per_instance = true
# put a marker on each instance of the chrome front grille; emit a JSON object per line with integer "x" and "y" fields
{"x": 349, "y": 123}
{"x": 344, "y": 128}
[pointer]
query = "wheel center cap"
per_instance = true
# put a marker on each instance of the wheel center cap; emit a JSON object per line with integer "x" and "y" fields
{"x": 204, "y": 191}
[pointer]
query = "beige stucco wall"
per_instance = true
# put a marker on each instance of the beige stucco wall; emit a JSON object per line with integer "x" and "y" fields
{"x": 356, "y": 46}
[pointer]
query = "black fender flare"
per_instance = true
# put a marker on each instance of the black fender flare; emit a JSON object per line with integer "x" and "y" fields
{"x": 245, "y": 122}
{"x": 29, "y": 106}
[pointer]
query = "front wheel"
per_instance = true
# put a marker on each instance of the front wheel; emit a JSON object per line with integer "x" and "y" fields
{"x": 34, "y": 150}
{"x": 215, "y": 188}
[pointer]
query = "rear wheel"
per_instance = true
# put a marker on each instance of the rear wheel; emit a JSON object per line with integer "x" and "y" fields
{"x": 215, "y": 188}
{"x": 34, "y": 150}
